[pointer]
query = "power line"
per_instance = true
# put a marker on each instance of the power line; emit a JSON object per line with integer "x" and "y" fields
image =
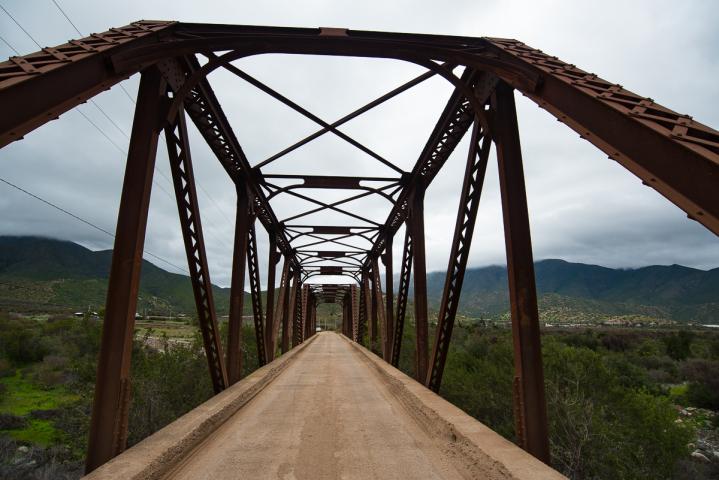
{"x": 67, "y": 17}
{"x": 104, "y": 134}
{"x": 207, "y": 194}
{"x": 8, "y": 44}
{"x": 20, "y": 26}
{"x": 86, "y": 222}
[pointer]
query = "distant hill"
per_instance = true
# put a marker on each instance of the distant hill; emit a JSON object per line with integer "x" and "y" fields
{"x": 41, "y": 273}
{"x": 575, "y": 290}
{"x": 37, "y": 273}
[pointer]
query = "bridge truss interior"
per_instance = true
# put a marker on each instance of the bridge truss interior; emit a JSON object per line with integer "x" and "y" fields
{"x": 670, "y": 152}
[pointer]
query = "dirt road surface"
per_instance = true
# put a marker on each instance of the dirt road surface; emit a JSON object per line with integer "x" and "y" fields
{"x": 328, "y": 416}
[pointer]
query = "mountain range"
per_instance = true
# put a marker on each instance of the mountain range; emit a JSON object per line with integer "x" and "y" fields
{"x": 53, "y": 275}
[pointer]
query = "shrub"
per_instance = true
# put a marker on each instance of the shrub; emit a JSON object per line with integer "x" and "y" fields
{"x": 703, "y": 387}
{"x": 8, "y": 421}
{"x": 679, "y": 344}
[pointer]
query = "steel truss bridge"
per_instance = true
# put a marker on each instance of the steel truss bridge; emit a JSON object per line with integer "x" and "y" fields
{"x": 668, "y": 151}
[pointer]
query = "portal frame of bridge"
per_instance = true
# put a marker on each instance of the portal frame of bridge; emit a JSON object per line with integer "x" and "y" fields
{"x": 670, "y": 152}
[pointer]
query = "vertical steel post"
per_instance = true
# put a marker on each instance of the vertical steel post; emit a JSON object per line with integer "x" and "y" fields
{"x": 389, "y": 299}
{"x": 355, "y": 313}
{"x": 379, "y": 308}
{"x": 373, "y": 311}
{"x": 108, "y": 424}
{"x": 288, "y": 309}
{"x": 253, "y": 265}
{"x": 402, "y": 294}
{"x": 313, "y": 311}
{"x": 532, "y": 421}
{"x": 416, "y": 226}
{"x": 297, "y": 316}
{"x": 362, "y": 310}
{"x": 237, "y": 289}
{"x": 272, "y": 260}
{"x": 305, "y": 312}
{"x": 280, "y": 318}
{"x": 461, "y": 242}
{"x": 178, "y": 149}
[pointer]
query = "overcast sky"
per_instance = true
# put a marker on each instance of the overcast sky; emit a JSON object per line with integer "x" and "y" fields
{"x": 583, "y": 207}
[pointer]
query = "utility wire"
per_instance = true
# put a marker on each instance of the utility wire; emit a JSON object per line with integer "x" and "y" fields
{"x": 8, "y": 44}
{"x": 104, "y": 134}
{"x": 20, "y": 26}
{"x": 80, "y": 33}
{"x": 207, "y": 194}
{"x": 86, "y": 222}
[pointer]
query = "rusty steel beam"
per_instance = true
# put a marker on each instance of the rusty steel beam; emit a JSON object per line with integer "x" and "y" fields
{"x": 463, "y": 232}
{"x": 532, "y": 433}
{"x": 183, "y": 178}
{"x": 355, "y": 313}
{"x": 415, "y": 223}
{"x": 402, "y": 294}
{"x": 670, "y": 152}
{"x": 253, "y": 266}
{"x": 288, "y": 297}
{"x": 305, "y": 312}
{"x": 41, "y": 86}
{"x": 297, "y": 315}
{"x": 404, "y": 87}
{"x": 206, "y": 113}
{"x": 364, "y": 308}
{"x": 389, "y": 298}
{"x": 373, "y": 312}
{"x": 453, "y": 123}
{"x": 108, "y": 424}
{"x": 270, "y": 334}
{"x": 243, "y": 219}
{"x": 379, "y": 308}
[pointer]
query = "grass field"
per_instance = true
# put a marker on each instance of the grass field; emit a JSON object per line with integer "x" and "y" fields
{"x": 22, "y": 397}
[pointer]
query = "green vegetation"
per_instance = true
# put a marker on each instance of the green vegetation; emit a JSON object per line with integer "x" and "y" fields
{"x": 620, "y": 405}
{"x": 22, "y": 397}
{"x": 47, "y": 365}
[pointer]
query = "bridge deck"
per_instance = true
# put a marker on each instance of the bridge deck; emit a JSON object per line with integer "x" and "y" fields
{"x": 322, "y": 418}
{"x": 329, "y": 409}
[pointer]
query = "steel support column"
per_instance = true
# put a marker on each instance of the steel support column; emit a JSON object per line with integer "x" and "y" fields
{"x": 355, "y": 313}
{"x": 237, "y": 289}
{"x": 108, "y": 424}
{"x": 178, "y": 149}
{"x": 532, "y": 431}
{"x": 402, "y": 294}
{"x": 305, "y": 312}
{"x": 389, "y": 298}
{"x": 416, "y": 227}
{"x": 281, "y": 315}
{"x": 379, "y": 308}
{"x": 297, "y": 317}
{"x": 272, "y": 260}
{"x": 459, "y": 253}
{"x": 253, "y": 266}
{"x": 363, "y": 309}
{"x": 288, "y": 311}
{"x": 373, "y": 311}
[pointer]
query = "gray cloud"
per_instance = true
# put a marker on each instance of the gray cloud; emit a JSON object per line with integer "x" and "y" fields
{"x": 583, "y": 206}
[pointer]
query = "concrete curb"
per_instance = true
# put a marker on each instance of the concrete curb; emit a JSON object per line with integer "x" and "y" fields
{"x": 158, "y": 454}
{"x": 474, "y": 449}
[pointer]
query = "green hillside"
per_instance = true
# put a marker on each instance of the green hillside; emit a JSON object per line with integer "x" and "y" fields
{"x": 46, "y": 274}
{"x": 592, "y": 292}
{"x": 41, "y": 273}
